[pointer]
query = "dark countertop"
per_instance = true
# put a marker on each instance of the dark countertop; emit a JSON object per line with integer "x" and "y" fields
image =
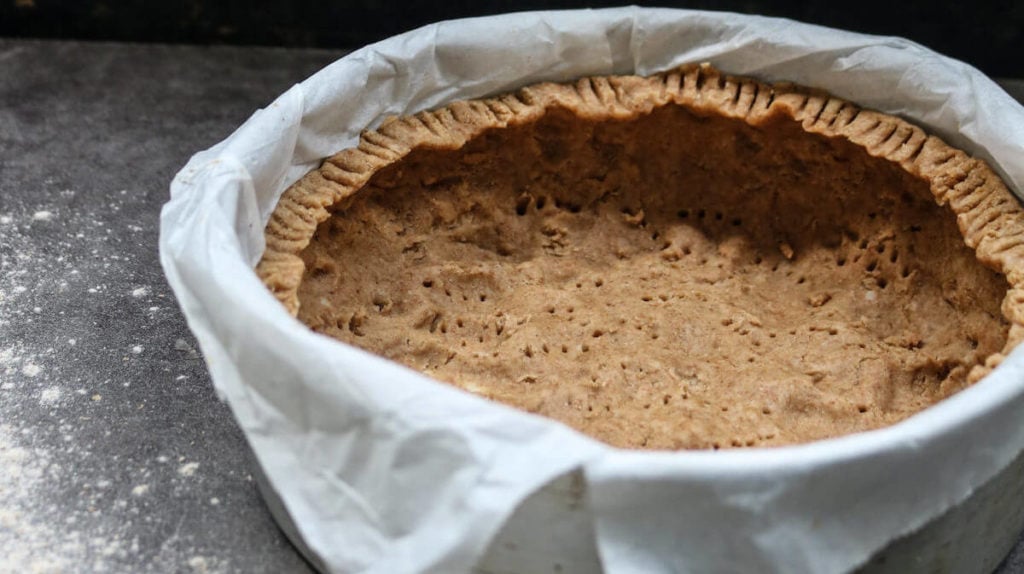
{"x": 115, "y": 454}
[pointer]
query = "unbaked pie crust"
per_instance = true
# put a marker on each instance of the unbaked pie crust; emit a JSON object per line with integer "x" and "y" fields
{"x": 687, "y": 260}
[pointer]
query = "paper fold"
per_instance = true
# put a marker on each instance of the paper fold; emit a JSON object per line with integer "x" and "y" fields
{"x": 384, "y": 470}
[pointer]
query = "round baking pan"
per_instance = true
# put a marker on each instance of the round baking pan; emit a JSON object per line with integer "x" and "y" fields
{"x": 973, "y": 537}
{"x": 561, "y": 525}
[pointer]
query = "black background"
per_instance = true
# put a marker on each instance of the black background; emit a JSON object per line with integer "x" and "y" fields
{"x": 985, "y": 34}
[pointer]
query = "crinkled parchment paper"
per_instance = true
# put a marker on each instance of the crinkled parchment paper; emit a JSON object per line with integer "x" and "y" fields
{"x": 384, "y": 470}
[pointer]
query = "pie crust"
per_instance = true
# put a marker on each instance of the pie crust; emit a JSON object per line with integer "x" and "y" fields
{"x": 687, "y": 260}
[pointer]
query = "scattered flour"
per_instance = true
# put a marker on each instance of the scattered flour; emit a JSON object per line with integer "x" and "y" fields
{"x": 49, "y": 396}
{"x": 204, "y": 565}
{"x": 188, "y": 469}
{"x": 27, "y": 539}
{"x": 7, "y": 359}
{"x": 42, "y": 532}
{"x": 39, "y": 536}
{"x": 65, "y": 507}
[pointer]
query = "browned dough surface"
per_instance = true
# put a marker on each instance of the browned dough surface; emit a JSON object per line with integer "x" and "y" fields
{"x": 675, "y": 278}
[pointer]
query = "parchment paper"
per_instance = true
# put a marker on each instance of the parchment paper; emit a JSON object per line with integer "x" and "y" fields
{"x": 384, "y": 470}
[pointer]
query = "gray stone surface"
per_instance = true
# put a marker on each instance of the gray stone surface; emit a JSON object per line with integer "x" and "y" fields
{"x": 115, "y": 454}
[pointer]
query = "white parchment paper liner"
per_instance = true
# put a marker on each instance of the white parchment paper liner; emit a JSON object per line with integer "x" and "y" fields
{"x": 384, "y": 470}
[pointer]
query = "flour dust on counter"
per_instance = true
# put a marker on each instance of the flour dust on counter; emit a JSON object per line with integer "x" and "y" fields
{"x": 37, "y": 537}
{"x": 66, "y": 505}
{"x": 106, "y": 427}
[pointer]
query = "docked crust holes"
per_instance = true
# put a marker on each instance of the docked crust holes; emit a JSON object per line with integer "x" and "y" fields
{"x": 522, "y": 203}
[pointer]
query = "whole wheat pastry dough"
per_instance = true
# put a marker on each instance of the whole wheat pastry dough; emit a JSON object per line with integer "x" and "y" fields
{"x": 688, "y": 260}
